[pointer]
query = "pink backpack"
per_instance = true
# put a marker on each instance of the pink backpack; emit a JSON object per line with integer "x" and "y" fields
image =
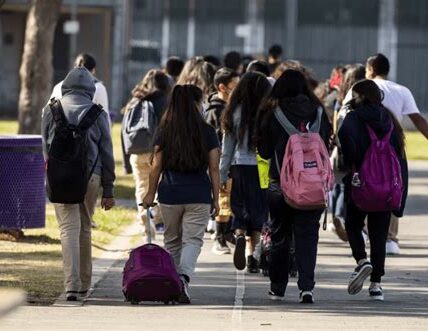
{"x": 306, "y": 175}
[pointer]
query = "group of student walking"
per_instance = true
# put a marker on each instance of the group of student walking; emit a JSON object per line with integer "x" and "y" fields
{"x": 216, "y": 122}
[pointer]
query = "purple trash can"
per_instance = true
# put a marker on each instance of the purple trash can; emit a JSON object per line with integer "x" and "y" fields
{"x": 22, "y": 182}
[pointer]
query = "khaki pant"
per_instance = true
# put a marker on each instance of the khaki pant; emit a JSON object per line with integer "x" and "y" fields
{"x": 393, "y": 229}
{"x": 140, "y": 164}
{"x": 75, "y": 227}
{"x": 184, "y": 232}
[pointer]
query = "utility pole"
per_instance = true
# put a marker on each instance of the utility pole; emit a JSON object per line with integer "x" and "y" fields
{"x": 191, "y": 29}
{"x": 387, "y": 42}
{"x": 165, "y": 32}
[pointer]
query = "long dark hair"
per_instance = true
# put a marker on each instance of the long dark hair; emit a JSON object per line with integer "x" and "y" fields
{"x": 290, "y": 84}
{"x": 153, "y": 81}
{"x": 366, "y": 92}
{"x": 181, "y": 131}
{"x": 251, "y": 90}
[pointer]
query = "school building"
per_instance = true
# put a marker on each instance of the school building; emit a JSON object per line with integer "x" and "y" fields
{"x": 128, "y": 37}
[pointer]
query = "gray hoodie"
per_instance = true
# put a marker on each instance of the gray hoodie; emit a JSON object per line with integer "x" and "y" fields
{"x": 78, "y": 90}
{"x": 232, "y": 152}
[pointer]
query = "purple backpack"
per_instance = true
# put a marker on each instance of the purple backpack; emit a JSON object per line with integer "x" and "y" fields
{"x": 150, "y": 274}
{"x": 378, "y": 186}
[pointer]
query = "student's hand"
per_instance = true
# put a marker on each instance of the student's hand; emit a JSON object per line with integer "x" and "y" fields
{"x": 215, "y": 209}
{"x": 223, "y": 188}
{"x": 148, "y": 200}
{"x": 107, "y": 203}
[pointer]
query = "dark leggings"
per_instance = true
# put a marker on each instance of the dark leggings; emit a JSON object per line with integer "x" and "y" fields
{"x": 378, "y": 225}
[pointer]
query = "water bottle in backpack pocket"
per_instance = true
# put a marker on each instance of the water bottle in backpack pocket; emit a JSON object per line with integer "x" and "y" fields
{"x": 378, "y": 185}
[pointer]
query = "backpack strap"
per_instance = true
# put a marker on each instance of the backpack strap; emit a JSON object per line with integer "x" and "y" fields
{"x": 289, "y": 127}
{"x": 284, "y": 122}
{"x": 316, "y": 126}
{"x": 58, "y": 113}
{"x": 90, "y": 117}
{"x": 374, "y": 137}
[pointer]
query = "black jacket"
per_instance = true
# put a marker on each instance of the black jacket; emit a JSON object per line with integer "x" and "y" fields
{"x": 355, "y": 141}
{"x": 213, "y": 113}
{"x": 273, "y": 139}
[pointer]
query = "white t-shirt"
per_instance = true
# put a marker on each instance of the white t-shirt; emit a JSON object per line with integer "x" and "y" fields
{"x": 100, "y": 95}
{"x": 397, "y": 98}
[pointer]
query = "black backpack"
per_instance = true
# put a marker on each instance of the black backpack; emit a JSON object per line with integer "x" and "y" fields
{"x": 67, "y": 163}
{"x": 138, "y": 128}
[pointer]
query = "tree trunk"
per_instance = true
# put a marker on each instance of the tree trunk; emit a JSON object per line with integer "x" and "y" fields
{"x": 36, "y": 67}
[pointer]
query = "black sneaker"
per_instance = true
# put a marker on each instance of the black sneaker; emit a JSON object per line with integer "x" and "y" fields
{"x": 306, "y": 297}
{"x": 239, "y": 254}
{"x": 358, "y": 277}
{"x": 252, "y": 265}
{"x": 71, "y": 295}
{"x": 184, "y": 296}
{"x": 230, "y": 238}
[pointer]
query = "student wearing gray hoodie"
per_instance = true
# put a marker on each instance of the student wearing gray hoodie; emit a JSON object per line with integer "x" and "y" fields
{"x": 74, "y": 220}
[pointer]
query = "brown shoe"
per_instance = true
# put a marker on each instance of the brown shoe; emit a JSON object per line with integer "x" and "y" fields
{"x": 339, "y": 228}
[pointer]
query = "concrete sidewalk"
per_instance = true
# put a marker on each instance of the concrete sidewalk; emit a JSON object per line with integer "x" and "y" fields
{"x": 223, "y": 299}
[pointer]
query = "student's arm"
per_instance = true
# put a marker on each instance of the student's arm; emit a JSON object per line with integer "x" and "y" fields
{"x": 347, "y": 143}
{"x": 46, "y": 119}
{"x": 155, "y": 172}
{"x": 101, "y": 97}
{"x": 214, "y": 171}
{"x": 107, "y": 159}
{"x": 420, "y": 122}
{"x": 228, "y": 149}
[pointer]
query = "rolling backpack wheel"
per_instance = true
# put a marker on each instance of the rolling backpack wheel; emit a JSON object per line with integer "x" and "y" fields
{"x": 134, "y": 302}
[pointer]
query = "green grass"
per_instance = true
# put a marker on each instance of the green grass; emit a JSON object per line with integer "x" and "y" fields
{"x": 34, "y": 263}
{"x": 8, "y": 127}
{"x": 416, "y": 146}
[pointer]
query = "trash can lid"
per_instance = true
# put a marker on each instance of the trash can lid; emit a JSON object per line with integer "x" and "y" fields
{"x": 21, "y": 140}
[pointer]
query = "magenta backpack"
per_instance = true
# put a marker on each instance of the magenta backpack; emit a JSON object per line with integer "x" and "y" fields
{"x": 378, "y": 186}
{"x": 150, "y": 274}
{"x": 306, "y": 175}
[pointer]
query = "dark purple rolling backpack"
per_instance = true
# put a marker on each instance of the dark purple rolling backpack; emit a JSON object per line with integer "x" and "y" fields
{"x": 150, "y": 274}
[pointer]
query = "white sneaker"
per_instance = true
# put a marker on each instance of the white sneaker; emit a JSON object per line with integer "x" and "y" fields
{"x": 211, "y": 226}
{"x": 392, "y": 248}
{"x": 220, "y": 249}
{"x": 376, "y": 292}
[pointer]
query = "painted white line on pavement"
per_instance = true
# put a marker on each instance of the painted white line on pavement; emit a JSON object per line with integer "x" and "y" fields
{"x": 239, "y": 299}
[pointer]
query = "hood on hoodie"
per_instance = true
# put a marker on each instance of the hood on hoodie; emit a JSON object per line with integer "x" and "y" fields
{"x": 78, "y": 90}
{"x": 376, "y": 116}
{"x": 300, "y": 106}
{"x": 79, "y": 80}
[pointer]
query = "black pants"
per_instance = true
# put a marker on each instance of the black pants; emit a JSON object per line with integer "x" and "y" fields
{"x": 305, "y": 225}
{"x": 378, "y": 225}
{"x": 247, "y": 200}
